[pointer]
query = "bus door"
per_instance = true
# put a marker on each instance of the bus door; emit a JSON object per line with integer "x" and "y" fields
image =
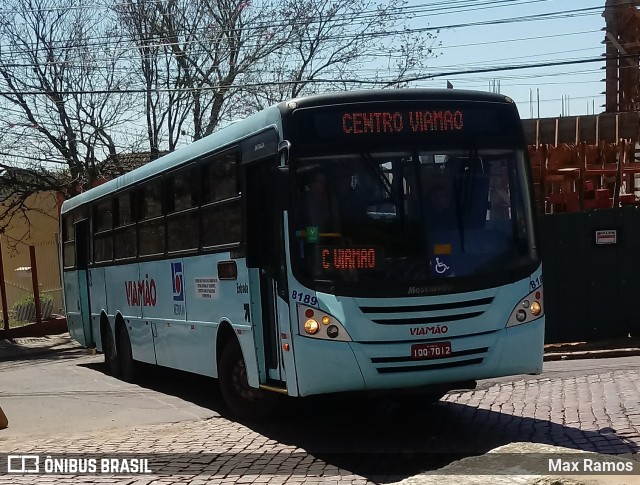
{"x": 265, "y": 256}
{"x": 80, "y": 317}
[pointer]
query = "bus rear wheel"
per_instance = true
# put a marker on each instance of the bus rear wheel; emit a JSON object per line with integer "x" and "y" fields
{"x": 125, "y": 355}
{"x": 111, "y": 359}
{"x": 244, "y": 401}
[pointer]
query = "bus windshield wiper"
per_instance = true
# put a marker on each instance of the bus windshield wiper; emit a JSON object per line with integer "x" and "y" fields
{"x": 377, "y": 171}
{"x": 464, "y": 188}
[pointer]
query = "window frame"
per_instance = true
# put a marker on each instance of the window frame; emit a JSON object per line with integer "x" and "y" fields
{"x": 136, "y": 193}
{"x": 68, "y": 240}
{"x": 119, "y": 228}
{"x": 99, "y": 234}
{"x": 205, "y": 162}
{"x": 141, "y": 218}
{"x": 175, "y": 214}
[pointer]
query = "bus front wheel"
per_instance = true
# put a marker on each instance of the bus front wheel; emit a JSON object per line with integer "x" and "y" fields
{"x": 243, "y": 400}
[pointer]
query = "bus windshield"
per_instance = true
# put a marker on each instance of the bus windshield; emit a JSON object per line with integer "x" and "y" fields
{"x": 410, "y": 216}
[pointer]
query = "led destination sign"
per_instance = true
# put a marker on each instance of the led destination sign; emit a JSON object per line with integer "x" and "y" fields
{"x": 376, "y": 120}
{"x": 401, "y": 122}
{"x": 334, "y": 258}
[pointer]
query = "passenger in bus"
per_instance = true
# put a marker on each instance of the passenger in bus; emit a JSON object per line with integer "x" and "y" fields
{"x": 322, "y": 207}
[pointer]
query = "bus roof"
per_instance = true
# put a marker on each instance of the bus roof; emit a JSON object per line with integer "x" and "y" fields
{"x": 227, "y": 136}
{"x": 417, "y": 94}
{"x": 269, "y": 117}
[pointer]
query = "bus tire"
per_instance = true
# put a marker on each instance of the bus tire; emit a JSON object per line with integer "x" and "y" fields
{"x": 244, "y": 402}
{"x": 111, "y": 359}
{"x": 125, "y": 355}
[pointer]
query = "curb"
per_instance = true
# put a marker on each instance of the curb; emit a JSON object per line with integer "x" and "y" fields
{"x": 524, "y": 464}
{"x": 591, "y": 354}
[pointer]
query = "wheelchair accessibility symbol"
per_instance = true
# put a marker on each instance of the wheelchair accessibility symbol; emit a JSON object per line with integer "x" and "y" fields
{"x": 441, "y": 268}
{"x": 441, "y": 265}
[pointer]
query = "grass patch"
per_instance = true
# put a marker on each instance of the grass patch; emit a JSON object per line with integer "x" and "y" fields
{"x": 15, "y": 323}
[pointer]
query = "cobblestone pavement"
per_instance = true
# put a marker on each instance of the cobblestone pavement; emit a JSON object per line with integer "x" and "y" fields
{"x": 358, "y": 440}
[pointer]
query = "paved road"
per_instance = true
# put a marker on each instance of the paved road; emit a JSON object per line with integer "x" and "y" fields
{"x": 589, "y": 405}
{"x": 68, "y": 392}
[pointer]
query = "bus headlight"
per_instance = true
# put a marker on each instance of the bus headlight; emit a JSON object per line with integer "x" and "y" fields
{"x": 311, "y": 326}
{"x": 315, "y": 323}
{"x": 536, "y": 308}
{"x": 528, "y": 309}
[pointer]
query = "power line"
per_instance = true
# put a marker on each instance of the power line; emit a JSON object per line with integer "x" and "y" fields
{"x": 415, "y": 78}
{"x": 445, "y": 7}
{"x": 378, "y": 69}
{"x": 327, "y": 80}
{"x": 508, "y": 68}
{"x": 561, "y": 14}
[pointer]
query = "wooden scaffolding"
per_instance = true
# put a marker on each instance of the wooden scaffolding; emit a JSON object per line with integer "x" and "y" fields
{"x": 584, "y": 162}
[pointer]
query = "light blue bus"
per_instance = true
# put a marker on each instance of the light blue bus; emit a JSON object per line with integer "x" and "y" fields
{"x": 375, "y": 240}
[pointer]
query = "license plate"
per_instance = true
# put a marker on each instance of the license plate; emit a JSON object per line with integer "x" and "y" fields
{"x": 431, "y": 351}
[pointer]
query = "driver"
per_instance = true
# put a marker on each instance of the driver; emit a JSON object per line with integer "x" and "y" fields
{"x": 322, "y": 207}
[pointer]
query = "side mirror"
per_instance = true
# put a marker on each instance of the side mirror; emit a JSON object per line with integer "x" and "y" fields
{"x": 282, "y": 187}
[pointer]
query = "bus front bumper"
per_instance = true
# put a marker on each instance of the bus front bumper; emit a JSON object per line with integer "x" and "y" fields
{"x": 325, "y": 366}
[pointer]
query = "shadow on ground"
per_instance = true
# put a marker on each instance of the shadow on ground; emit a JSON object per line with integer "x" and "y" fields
{"x": 385, "y": 439}
{"x": 18, "y": 358}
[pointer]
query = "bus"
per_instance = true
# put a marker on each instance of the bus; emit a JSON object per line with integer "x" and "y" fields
{"x": 377, "y": 240}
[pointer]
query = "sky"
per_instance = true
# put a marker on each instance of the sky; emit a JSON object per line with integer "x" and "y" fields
{"x": 565, "y": 89}
{"x": 509, "y": 37}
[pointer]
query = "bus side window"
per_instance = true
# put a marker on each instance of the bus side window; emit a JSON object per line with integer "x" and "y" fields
{"x": 68, "y": 241}
{"x": 125, "y": 244}
{"x": 151, "y": 225}
{"x": 102, "y": 231}
{"x": 221, "y": 202}
{"x": 182, "y": 197}
{"x": 219, "y": 179}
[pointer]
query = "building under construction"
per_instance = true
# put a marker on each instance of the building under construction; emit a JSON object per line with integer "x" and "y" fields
{"x": 586, "y": 162}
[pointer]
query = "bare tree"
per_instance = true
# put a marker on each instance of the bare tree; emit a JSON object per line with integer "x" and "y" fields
{"x": 62, "y": 89}
{"x": 342, "y": 45}
{"x": 76, "y": 77}
{"x": 215, "y": 60}
{"x": 167, "y": 105}
{"x": 236, "y": 56}
{"x": 216, "y": 43}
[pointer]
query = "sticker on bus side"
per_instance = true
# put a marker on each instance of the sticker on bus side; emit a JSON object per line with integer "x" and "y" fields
{"x": 206, "y": 287}
{"x": 178, "y": 281}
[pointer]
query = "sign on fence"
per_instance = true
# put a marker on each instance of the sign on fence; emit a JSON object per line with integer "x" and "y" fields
{"x": 609, "y": 236}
